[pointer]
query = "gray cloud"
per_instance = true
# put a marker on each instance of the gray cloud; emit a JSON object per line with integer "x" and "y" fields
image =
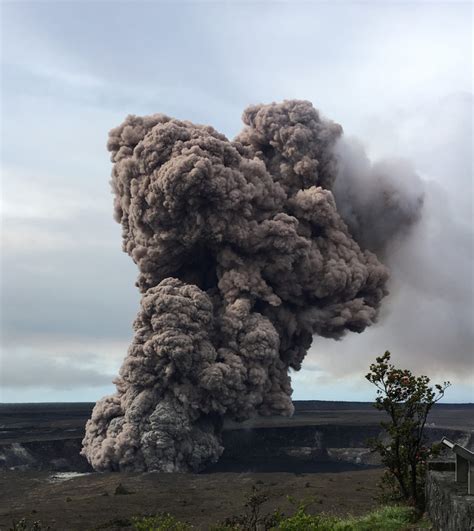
{"x": 64, "y": 280}
{"x": 41, "y": 370}
{"x": 381, "y": 201}
{"x": 427, "y": 323}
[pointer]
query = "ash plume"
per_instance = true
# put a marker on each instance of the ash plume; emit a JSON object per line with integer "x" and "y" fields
{"x": 243, "y": 256}
{"x": 380, "y": 202}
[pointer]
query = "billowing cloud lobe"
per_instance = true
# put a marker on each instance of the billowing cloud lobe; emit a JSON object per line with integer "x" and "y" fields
{"x": 243, "y": 256}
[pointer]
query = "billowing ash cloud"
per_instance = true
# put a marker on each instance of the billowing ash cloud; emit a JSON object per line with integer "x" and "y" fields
{"x": 379, "y": 202}
{"x": 243, "y": 257}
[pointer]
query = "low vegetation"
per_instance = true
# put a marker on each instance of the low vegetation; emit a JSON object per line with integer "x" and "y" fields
{"x": 25, "y": 525}
{"x": 254, "y": 518}
{"x": 160, "y": 522}
{"x": 388, "y": 518}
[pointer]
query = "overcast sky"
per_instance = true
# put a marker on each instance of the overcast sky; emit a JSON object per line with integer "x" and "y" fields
{"x": 398, "y": 76}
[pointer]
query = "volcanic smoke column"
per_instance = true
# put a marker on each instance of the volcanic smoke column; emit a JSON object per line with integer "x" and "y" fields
{"x": 243, "y": 257}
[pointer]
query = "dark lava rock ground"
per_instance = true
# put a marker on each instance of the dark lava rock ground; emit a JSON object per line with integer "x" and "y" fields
{"x": 318, "y": 456}
{"x": 89, "y": 502}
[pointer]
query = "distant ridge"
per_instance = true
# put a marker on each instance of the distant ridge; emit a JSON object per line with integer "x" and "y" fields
{"x": 29, "y": 422}
{"x": 308, "y": 405}
{"x": 300, "y": 405}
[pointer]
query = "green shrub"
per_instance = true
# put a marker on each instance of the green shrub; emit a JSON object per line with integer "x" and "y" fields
{"x": 302, "y": 520}
{"x": 388, "y": 518}
{"x": 23, "y": 525}
{"x": 252, "y": 519}
{"x": 384, "y": 519}
{"x": 159, "y": 522}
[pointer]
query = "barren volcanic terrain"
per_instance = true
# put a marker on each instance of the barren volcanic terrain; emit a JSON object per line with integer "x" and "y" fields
{"x": 319, "y": 455}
